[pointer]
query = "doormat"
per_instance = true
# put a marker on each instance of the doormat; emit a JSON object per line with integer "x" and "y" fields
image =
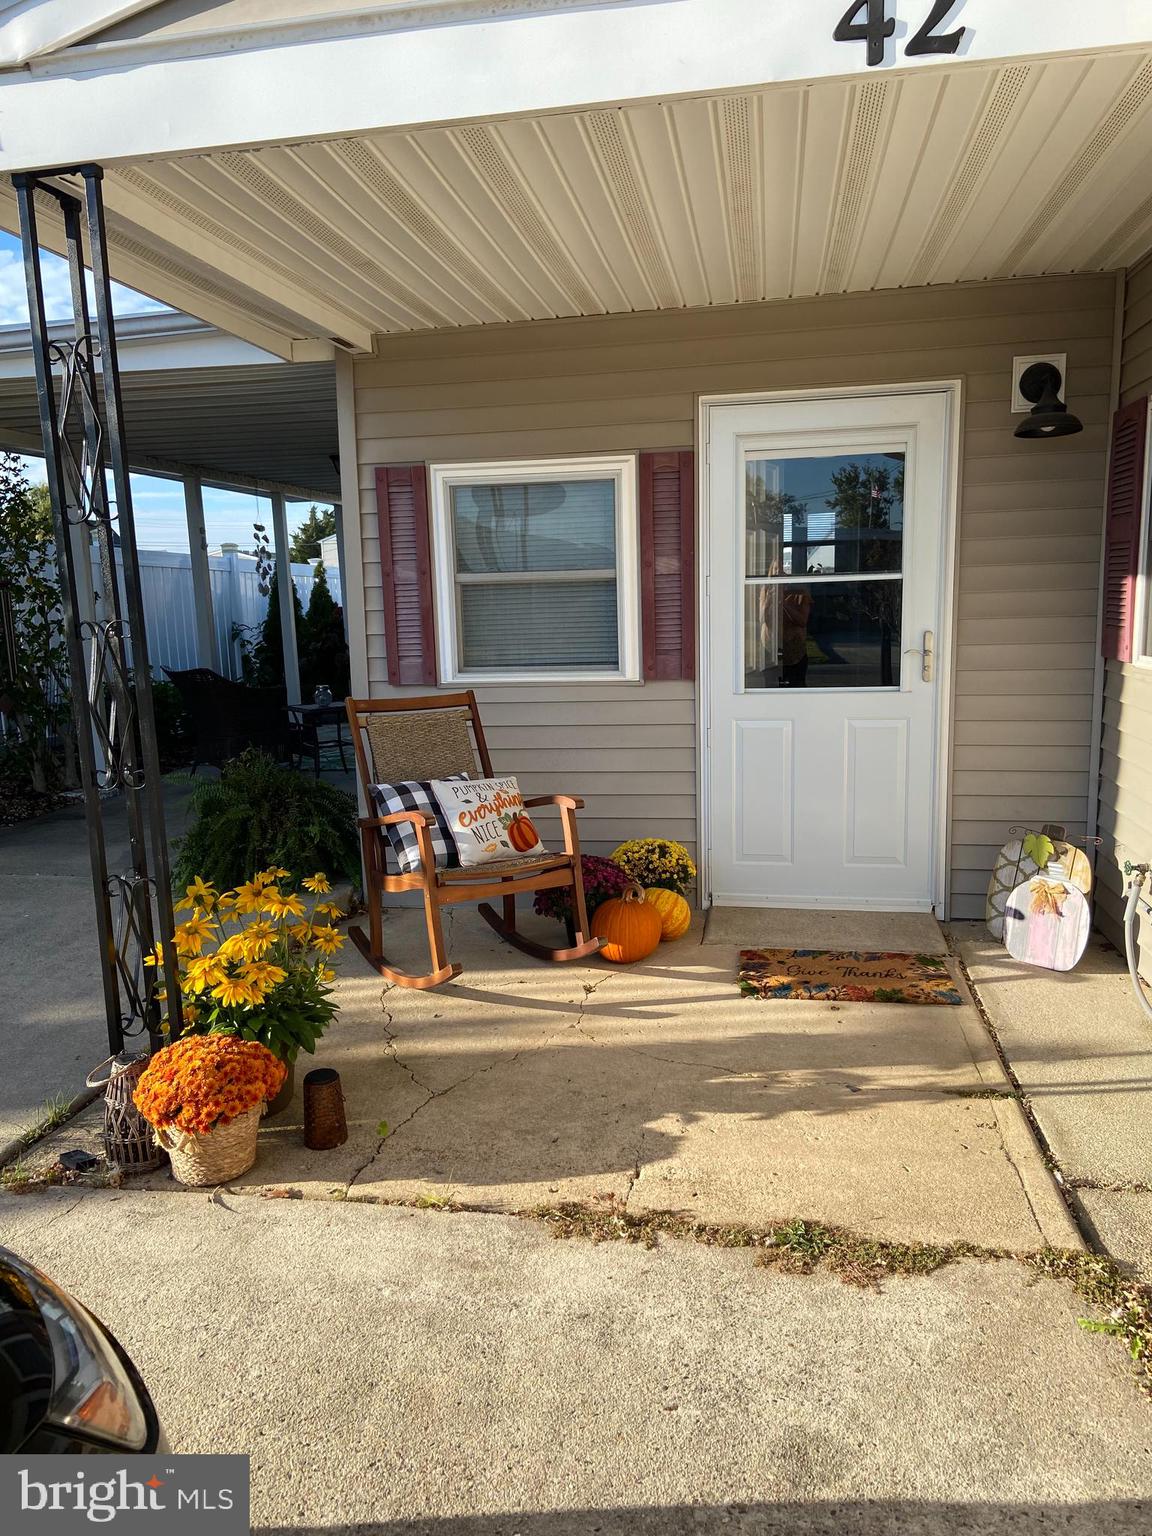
{"x": 846, "y": 976}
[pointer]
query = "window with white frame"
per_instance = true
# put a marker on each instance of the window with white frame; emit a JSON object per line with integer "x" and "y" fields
{"x": 536, "y": 570}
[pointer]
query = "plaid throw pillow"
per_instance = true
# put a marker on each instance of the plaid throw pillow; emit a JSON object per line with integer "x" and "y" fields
{"x": 411, "y": 795}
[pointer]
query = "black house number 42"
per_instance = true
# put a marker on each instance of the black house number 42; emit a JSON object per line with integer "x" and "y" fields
{"x": 867, "y": 22}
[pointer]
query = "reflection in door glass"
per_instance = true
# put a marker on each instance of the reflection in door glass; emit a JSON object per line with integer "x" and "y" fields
{"x": 822, "y": 634}
{"x": 832, "y": 515}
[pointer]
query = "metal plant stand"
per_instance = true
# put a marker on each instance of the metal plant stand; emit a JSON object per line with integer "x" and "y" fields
{"x": 81, "y": 422}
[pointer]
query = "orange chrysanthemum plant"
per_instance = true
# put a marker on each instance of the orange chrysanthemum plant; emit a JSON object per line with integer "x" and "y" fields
{"x": 253, "y": 961}
{"x": 206, "y": 1081}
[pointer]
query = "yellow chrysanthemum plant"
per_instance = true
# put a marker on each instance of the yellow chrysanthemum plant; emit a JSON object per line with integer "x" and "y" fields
{"x": 252, "y": 961}
{"x": 656, "y": 863}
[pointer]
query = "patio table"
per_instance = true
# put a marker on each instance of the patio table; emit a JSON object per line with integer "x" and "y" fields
{"x": 307, "y": 721}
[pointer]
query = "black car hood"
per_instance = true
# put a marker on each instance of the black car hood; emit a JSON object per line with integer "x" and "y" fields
{"x": 25, "y": 1361}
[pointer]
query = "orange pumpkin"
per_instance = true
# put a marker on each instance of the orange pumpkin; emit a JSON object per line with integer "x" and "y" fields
{"x": 629, "y": 927}
{"x": 522, "y": 834}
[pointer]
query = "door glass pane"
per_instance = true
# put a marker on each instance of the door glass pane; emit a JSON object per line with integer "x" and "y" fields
{"x": 822, "y": 634}
{"x": 824, "y": 516}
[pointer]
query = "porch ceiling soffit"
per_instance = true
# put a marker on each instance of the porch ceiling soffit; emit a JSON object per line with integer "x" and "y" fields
{"x": 883, "y": 182}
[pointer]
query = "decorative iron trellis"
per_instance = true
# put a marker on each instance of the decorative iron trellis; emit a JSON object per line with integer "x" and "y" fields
{"x": 82, "y": 425}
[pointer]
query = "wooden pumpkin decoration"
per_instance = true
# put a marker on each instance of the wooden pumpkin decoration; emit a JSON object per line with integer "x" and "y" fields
{"x": 675, "y": 913}
{"x": 629, "y": 926}
{"x": 522, "y": 834}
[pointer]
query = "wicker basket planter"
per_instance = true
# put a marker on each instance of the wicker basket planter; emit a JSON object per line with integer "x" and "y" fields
{"x": 217, "y": 1155}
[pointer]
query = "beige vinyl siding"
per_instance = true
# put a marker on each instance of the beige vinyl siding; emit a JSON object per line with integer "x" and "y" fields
{"x": 1126, "y": 744}
{"x": 1028, "y": 537}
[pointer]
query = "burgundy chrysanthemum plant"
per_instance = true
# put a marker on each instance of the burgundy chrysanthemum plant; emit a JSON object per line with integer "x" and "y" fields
{"x": 602, "y": 881}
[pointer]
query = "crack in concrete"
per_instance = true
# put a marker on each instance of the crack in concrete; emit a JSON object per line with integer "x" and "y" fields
{"x": 59, "y": 1215}
{"x": 638, "y": 1160}
{"x": 634, "y": 1175}
{"x": 501, "y": 1060}
{"x": 390, "y": 1042}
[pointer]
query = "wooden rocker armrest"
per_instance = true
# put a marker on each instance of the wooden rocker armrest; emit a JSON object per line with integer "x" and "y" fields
{"x": 417, "y": 818}
{"x": 565, "y": 802}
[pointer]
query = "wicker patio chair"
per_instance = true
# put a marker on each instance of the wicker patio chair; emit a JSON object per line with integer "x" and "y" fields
{"x": 226, "y": 717}
{"x": 432, "y": 738}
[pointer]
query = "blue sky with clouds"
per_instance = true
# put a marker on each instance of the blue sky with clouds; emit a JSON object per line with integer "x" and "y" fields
{"x": 159, "y": 504}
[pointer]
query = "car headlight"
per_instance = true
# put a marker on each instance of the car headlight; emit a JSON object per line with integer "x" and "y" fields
{"x": 92, "y": 1392}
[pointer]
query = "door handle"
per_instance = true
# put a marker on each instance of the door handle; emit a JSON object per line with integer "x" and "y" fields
{"x": 927, "y": 655}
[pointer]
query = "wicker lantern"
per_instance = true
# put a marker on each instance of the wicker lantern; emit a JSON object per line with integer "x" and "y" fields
{"x": 324, "y": 1123}
{"x": 129, "y": 1144}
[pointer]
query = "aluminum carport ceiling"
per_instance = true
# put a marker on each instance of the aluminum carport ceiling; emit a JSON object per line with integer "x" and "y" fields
{"x": 263, "y": 422}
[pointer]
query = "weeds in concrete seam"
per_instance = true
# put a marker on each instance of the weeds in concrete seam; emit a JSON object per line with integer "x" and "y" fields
{"x": 431, "y": 1202}
{"x": 797, "y": 1247}
{"x": 20, "y": 1178}
{"x": 980, "y": 1093}
{"x": 16, "y": 1176}
{"x": 618, "y": 1225}
{"x": 1117, "y": 1187}
{"x": 54, "y": 1111}
{"x": 1099, "y": 1280}
{"x": 801, "y": 1247}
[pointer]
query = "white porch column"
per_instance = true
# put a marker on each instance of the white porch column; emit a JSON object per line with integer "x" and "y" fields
{"x": 287, "y": 606}
{"x": 206, "y": 652}
{"x": 338, "y": 508}
{"x": 351, "y": 554}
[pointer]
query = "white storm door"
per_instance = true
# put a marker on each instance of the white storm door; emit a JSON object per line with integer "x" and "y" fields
{"x": 826, "y": 524}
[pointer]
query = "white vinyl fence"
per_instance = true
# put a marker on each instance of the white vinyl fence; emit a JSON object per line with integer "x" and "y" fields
{"x": 170, "y": 611}
{"x": 169, "y": 606}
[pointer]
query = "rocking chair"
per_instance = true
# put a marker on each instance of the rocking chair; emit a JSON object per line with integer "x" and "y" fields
{"x": 432, "y": 738}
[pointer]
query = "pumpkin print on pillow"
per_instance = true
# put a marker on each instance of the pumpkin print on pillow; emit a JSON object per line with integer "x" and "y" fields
{"x": 487, "y": 820}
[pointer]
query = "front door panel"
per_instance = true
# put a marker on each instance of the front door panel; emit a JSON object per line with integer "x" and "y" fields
{"x": 825, "y": 535}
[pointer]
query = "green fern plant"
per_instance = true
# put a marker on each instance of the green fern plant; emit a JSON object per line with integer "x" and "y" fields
{"x": 259, "y": 814}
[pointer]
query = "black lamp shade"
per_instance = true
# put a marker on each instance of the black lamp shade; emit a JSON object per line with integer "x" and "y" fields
{"x": 1049, "y": 416}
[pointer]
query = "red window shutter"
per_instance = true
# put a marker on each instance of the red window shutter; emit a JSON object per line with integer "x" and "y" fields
{"x": 668, "y": 564}
{"x": 1122, "y": 529}
{"x": 406, "y": 573}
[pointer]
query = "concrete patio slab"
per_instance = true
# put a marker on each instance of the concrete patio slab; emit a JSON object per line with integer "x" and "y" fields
{"x": 1122, "y": 1221}
{"x": 792, "y": 928}
{"x": 398, "y": 1371}
{"x": 660, "y": 1086}
{"x": 52, "y": 1029}
{"x": 1081, "y": 1049}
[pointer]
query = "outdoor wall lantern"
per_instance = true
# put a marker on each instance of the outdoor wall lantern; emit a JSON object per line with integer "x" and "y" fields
{"x": 1049, "y": 416}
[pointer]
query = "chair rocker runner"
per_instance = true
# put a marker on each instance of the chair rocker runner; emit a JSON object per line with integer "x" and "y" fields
{"x": 435, "y": 737}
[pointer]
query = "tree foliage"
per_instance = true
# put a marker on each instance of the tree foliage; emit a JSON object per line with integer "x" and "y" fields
{"x": 304, "y": 545}
{"x": 323, "y": 648}
{"x": 268, "y": 651}
{"x": 33, "y": 651}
